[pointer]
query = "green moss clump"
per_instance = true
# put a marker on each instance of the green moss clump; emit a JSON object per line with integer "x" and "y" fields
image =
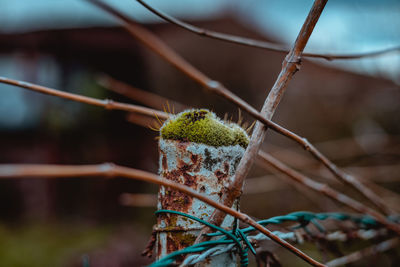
{"x": 203, "y": 126}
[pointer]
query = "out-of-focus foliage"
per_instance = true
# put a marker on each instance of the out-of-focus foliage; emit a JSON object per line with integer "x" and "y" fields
{"x": 40, "y": 245}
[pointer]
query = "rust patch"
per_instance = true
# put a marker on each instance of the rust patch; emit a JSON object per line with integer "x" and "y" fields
{"x": 173, "y": 175}
{"x": 175, "y": 200}
{"x": 194, "y": 158}
{"x": 182, "y": 172}
{"x": 226, "y": 167}
{"x": 172, "y": 244}
{"x": 222, "y": 175}
{"x": 184, "y": 167}
{"x": 177, "y": 241}
{"x": 190, "y": 180}
{"x": 164, "y": 162}
{"x": 189, "y": 170}
{"x": 168, "y": 219}
{"x": 197, "y": 161}
{"x": 182, "y": 145}
{"x": 197, "y": 168}
{"x": 184, "y": 239}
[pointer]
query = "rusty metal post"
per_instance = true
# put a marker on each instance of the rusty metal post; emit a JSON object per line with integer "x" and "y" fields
{"x": 205, "y": 169}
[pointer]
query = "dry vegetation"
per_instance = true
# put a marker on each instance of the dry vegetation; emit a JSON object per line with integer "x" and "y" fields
{"x": 296, "y": 168}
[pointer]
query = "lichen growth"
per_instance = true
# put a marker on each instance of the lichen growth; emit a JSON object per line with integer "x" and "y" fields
{"x": 203, "y": 126}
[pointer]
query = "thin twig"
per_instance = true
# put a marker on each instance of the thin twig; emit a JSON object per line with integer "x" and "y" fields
{"x": 65, "y": 95}
{"x": 149, "y": 99}
{"x": 327, "y": 191}
{"x": 266, "y": 184}
{"x": 106, "y": 103}
{"x": 290, "y": 66}
{"x": 370, "y": 251}
{"x": 257, "y": 43}
{"x": 350, "y": 180}
{"x": 138, "y": 200}
{"x": 140, "y": 115}
{"x": 144, "y": 121}
{"x": 299, "y": 161}
{"x": 110, "y": 170}
{"x": 159, "y": 47}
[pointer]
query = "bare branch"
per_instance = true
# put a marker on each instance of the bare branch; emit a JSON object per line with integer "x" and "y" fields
{"x": 140, "y": 115}
{"x": 149, "y": 99}
{"x": 154, "y": 43}
{"x": 327, "y": 191}
{"x": 138, "y": 200}
{"x": 350, "y": 180}
{"x": 290, "y": 66}
{"x": 370, "y": 251}
{"x": 257, "y": 43}
{"x": 110, "y": 170}
{"x": 115, "y": 105}
{"x": 144, "y": 121}
{"x": 159, "y": 47}
{"x": 107, "y": 103}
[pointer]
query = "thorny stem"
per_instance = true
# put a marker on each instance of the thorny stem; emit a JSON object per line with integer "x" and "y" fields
{"x": 110, "y": 170}
{"x": 257, "y": 43}
{"x": 290, "y": 66}
{"x": 159, "y": 47}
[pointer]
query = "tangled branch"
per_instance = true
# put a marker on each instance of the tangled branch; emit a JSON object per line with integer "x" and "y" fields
{"x": 290, "y": 66}
{"x": 164, "y": 51}
{"x": 324, "y": 189}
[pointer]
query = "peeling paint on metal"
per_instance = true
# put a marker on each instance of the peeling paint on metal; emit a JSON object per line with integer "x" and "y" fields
{"x": 205, "y": 169}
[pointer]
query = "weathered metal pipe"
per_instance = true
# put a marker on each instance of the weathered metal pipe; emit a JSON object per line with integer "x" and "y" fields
{"x": 205, "y": 168}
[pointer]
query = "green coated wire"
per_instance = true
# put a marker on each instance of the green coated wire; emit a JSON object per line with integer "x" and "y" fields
{"x": 227, "y": 233}
{"x": 244, "y": 238}
{"x": 169, "y": 259}
{"x": 304, "y": 218}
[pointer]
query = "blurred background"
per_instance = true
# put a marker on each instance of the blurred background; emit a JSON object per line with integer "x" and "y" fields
{"x": 348, "y": 108}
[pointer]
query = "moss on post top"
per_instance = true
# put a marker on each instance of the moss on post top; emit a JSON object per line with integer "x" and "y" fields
{"x": 203, "y": 126}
